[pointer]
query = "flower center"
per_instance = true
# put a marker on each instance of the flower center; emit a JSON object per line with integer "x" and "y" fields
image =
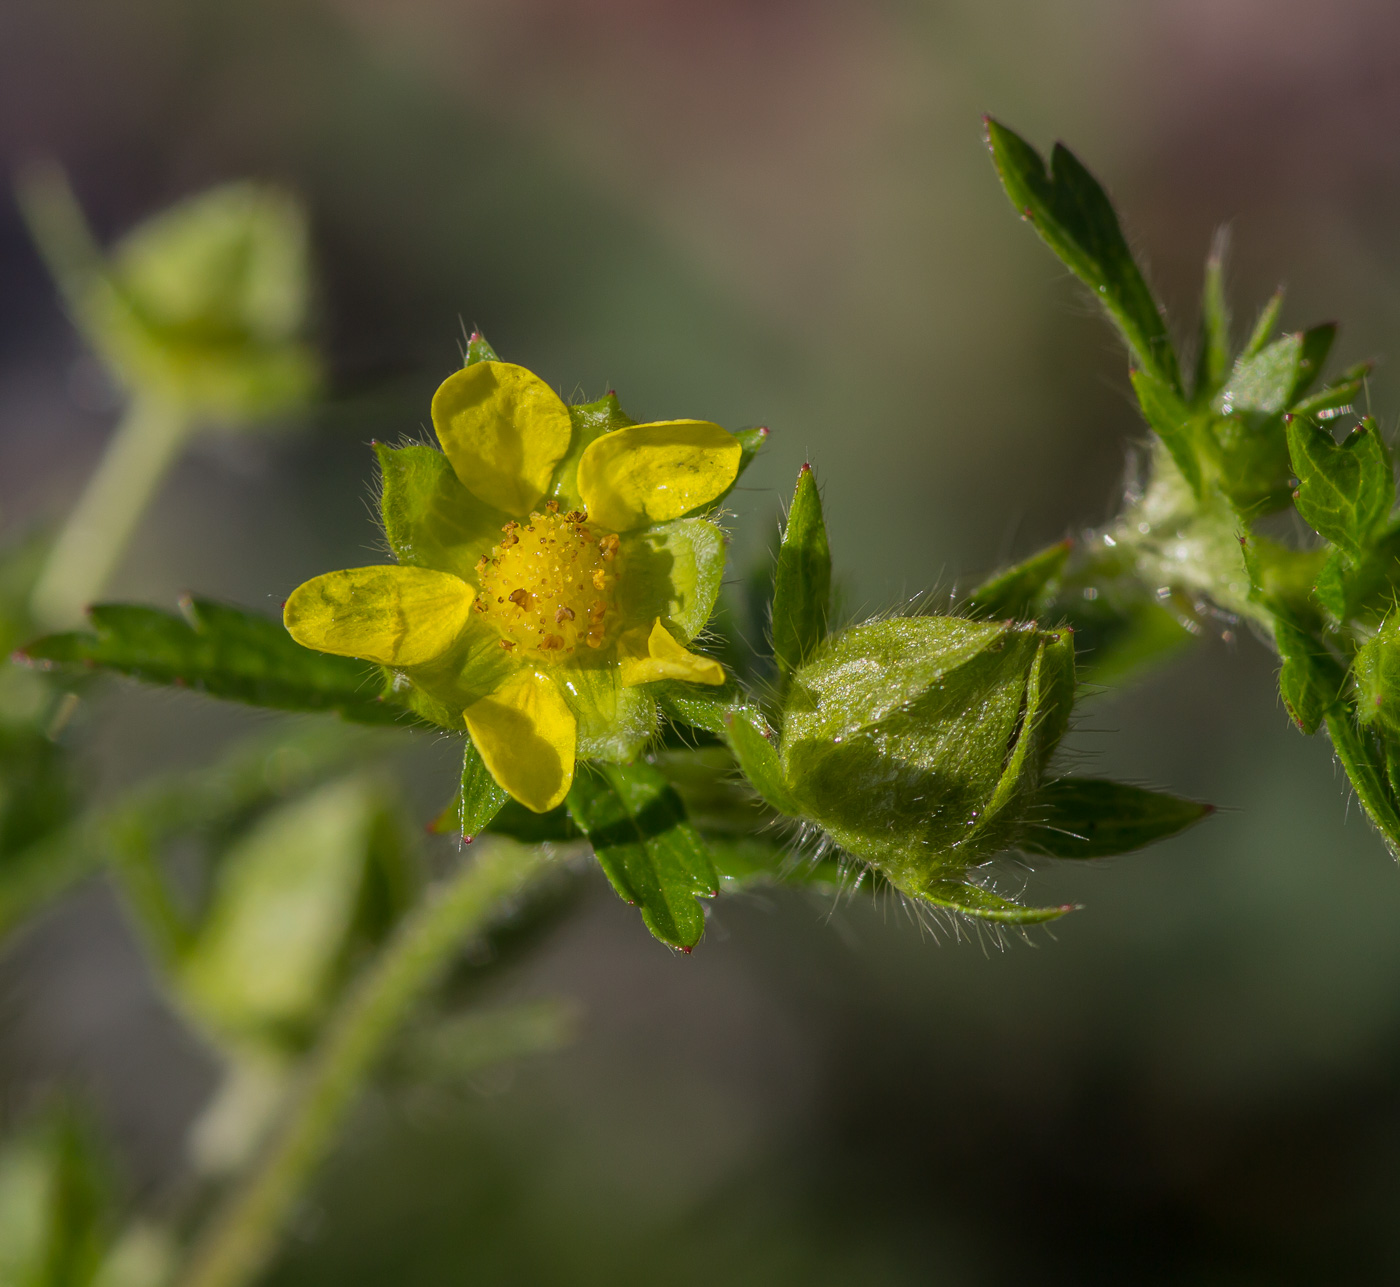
{"x": 547, "y": 587}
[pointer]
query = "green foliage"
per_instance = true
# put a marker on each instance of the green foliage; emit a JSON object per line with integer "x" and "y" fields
{"x": 1089, "y": 818}
{"x": 802, "y": 580}
{"x": 650, "y": 852}
{"x": 225, "y": 653}
{"x": 202, "y": 305}
{"x": 1018, "y": 593}
{"x": 478, "y": 800}
{"x": 1345, "y": 491}
{"x": 291, "y": 895}
{"x": 1075, "y": 218}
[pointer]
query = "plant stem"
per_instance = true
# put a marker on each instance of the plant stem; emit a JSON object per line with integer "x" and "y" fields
{"x": 138, "y": 456}
{"x": 244, "y": 1233}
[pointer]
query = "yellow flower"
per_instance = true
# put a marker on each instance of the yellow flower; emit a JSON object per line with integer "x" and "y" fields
{"x": 547, "y": 574}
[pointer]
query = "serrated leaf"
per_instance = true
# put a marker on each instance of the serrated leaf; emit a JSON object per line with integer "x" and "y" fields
{"x": 1015, "y": 593}
{"x": 1213, "y": 360}
{"x": 1345, "y": 491}
{"x": 802, "y": 580}
{"x": 478, "y": 800}
{"x": 1172, "y": 421}
{"x": 1077, "y": 221}
{"x": 1090, "y": 818}
{"x": 223, "y": 652}
{"x": 1311, "y": 680}
{"x": 651, "y": 854}
{"x": 983, "y": 905}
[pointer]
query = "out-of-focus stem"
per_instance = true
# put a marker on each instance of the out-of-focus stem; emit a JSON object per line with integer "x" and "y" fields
{"x": 138, "y": 457}
{"x": 244, "y": 1233}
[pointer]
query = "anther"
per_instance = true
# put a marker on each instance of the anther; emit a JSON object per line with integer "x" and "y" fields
{"x": 563, "y": 614}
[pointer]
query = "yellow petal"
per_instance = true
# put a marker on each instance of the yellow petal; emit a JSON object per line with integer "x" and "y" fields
{"x": 397, "y": 616}
{"x": 504, "y": 430}
{"x": 652, "y": 473}
{"x": 526, "y": 735}
{"x": 647, "y": 658}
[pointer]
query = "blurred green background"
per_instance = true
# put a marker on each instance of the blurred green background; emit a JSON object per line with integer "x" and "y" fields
{"x": 774, "y": 213}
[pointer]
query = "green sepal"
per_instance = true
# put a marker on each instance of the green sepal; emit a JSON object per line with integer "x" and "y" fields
{"x": 1316, "y": 344}
{"x": 1363, "y": 756}
{"x": 477, "y": 802}
{"x": 652, "y": 855}
{"x": 1017, "y": 593}
{"x": 801, "y": 580}
{"x": 478, "y": 350}
{"x": 1264, "y": 381}
{"x": 1345, "y": 491}
{"x": 1089, "y": 818}
{"x": 983, "y": 905}
{"x": 591, "y": 420}
{"x": 1213, "y": 358}
{"x": 1172, "y": 421}
{"x": 742, "y": 727}
{"x": 673, "y": 571}
{"x": 1312, "y": 682}
{"x": 751, "y": 442}
{"x": 1264, "y": 326}
{"x": 1376, "y": 668}
{"x": 223, "y": 652}
{"x": 429, "y": 518}
{"x": 1077, "y": 221}
{"x": 614, "y": 721}
{"x": 1331, "y": 400}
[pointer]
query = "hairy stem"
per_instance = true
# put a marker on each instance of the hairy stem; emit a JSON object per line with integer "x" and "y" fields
{"x": 244, "y": 1233}
{"x": 138, "y": 457}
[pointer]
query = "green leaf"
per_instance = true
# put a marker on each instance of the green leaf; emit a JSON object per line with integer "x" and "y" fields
{"x": 1089, "y": 818}
{"x": 1311, "y": 681}
{"x": 802, "y": 580}
{"x": 1364, "y": 759}
{"x": 1172, "y": 421}
{"x": 751, "y": 442}
{"x": 478, "y": 350}
{"x": 1263, "y": 326}
{"x": 56, "y": 1204}
{"x": 1317, "y": 344}
{"x": 478, "y": 800}
{"x": 265, "y": 961}
{"x": 1213, "y": 360}
{"x": 430, "y": 519}
{"x": 983, "y": 905}
{"x": 1345, "y": 492}
{"x": 654, "y": 858}
{"x": 519, "y": 823}
{"x": 1076, "y": 220}
{"x": 1015, "y": 594}
{"x": 225, "y": 653}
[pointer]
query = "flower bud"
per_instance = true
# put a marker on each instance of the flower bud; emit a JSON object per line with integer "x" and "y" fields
{"x": 917, "y": 743}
